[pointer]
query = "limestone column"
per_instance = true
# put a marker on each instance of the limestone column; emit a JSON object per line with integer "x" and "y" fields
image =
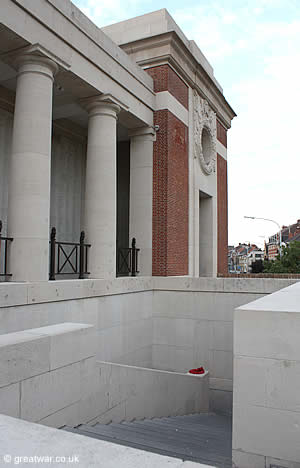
{"x": 101, "y": 187}
{"x": 29, "y": 179}
{"x": 141, "y": 194}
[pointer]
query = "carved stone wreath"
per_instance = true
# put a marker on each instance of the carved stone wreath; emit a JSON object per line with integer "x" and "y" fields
{"x": 204, "y": 125}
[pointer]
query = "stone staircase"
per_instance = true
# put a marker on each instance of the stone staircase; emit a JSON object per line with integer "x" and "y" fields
{"x": 203, "y": 438}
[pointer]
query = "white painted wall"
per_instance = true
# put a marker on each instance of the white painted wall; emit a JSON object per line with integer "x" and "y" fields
{"x": 266, "y": 411}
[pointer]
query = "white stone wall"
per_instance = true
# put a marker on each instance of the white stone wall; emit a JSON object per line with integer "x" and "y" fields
{"x": 6, "y": 122}
{"x": 193, "y": 329}
{"x": 68, "y": 163}
{"x": 202, "y": 216}
{"x": 47, "y": 374}
{"x": 165, "y": 323}
{"x": 123, "y": 323}
{"x": 193, "y": 326}
{"x": 266, "y": 411}
{"x": 128, "y": 392}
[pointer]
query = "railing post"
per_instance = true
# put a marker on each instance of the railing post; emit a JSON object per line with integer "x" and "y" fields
{"x": 0, "y": 241}
{"x": 81, "y": 255}
{"x": 52, "y": 254}
{"x": 133, "y": 257}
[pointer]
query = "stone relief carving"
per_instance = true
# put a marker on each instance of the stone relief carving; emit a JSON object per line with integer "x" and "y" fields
{"x": 205, "y": 125}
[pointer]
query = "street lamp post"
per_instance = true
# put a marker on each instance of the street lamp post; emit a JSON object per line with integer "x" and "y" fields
{"x": 271, "y": 221}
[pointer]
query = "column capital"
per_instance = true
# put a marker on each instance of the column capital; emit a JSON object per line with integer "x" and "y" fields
{"x": 35, "y": 55}
{"x": 35, "y": 59}
{"x": 103, "y": 104}
{"x": 145, "y": 133}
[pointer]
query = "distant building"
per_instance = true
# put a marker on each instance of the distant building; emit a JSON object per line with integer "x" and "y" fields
{"x": 289, "y": 234}
{"x": 241, "y": 257}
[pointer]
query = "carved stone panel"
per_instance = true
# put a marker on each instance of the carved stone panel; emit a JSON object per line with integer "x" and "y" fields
{"x": 205, "y": 134}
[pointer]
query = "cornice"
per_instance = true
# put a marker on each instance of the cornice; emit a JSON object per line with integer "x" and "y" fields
{"x": 175, "y": 53}
{"x": 36, "y": 51}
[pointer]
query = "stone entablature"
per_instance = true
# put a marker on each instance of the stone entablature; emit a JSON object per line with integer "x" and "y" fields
{"x": 155, "y": 39}
{"x": 90, "y": 55}
{"x": 168, "y": 48}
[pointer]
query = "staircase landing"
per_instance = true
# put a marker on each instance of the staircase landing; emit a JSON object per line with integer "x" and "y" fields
{"x": 202, "y": 438}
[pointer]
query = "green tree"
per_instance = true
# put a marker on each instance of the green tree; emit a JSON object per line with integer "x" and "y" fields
{"x": 289, "y": 262}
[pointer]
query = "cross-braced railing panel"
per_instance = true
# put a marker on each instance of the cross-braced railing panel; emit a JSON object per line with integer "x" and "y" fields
{"x": 68, "y": 258}
{"x": 127, "y": 260}
{"x": 4, "y": 246}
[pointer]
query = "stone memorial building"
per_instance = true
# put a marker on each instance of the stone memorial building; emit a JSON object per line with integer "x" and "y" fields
{"x": 113, "y": 230}
{"x": 120, "y": 132}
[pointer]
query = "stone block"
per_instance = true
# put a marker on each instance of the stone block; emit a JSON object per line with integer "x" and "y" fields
{"x": 13, "y": 294}
{"x": 220, "y": 384}
{"x": 22, "y": 355}
{"x": 14, "y": 319}
{"x": 276, "y": 337}
{"x": 222, "y": 336}
{"x": 110, "y": 344}
{"x": 110, "y": 311}
{"x": 69, "y": 416}
{"x": 247, "y": 460}
{"x": 221, "y": 364}
{"x": 54, "y": 291}
{"x": 163, "y": 330}
{"x": 266, "y": 431}
{"x": 202, "y": 343}
{"x": 116, "y": 415}
{"x": 250, "y": 380}
{"x": 69, "y": 342}
{"x": 45, "y": 394}
{"x": 10, "y": 400}
{"x": 220, "y": 401}
{"x": 277, "y": 463}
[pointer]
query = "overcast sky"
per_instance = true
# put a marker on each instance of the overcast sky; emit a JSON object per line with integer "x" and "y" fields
{"x": 254, "y": 48}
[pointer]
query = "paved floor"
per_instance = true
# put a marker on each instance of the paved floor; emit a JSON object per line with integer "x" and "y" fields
{"x": 203, "y": 438}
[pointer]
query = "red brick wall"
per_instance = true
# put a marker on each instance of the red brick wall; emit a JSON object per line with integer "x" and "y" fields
{"x": 170, "y": 196}
{"x": 221, "y": 134}
{"x": 166, "y": 79}
{"x": 222, "y": 214}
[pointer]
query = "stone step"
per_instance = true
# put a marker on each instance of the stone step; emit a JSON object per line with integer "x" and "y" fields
{"x": 167, "y": 436}
{"x": 188, "y": 437}
{"x": 189, "y": 428}
{"x": 205, "y": 438}
{"x": 142, "y": 447}
{"x": 208, "y": 419}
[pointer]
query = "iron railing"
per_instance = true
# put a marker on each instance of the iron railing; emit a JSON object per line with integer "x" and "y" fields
{"x": 127, "y": 260}
{"x": 68, "y": 258}
{"x": 4, "y": 243}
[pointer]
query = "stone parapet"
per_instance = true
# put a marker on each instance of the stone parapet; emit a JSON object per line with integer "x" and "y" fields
{"x": 47, "y": 373}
